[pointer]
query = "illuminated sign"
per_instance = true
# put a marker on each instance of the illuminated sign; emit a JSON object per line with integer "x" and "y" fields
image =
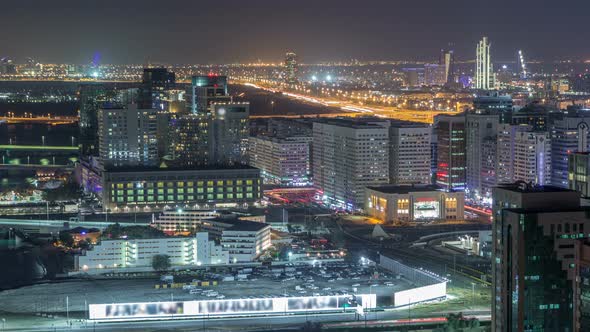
{"x": 146, "y": 310}
{"x": 420, "y": 294}
{"x": 426, "y": 209}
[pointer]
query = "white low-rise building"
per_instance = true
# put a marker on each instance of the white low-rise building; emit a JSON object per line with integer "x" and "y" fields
{"x": 138, "y": 253}
{"x": 183, "y": 220}
{"x": 245, "y": 240}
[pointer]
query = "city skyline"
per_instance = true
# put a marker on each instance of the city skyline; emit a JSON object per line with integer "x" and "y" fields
{"x": 317, "y": 32}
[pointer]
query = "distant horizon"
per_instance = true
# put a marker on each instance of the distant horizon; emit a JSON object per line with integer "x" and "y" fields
{"x": 316, "y": 63}
{"x": 233, "y": 31}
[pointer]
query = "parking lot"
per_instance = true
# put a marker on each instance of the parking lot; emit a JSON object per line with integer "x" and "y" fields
{"x": 307, "y": 280}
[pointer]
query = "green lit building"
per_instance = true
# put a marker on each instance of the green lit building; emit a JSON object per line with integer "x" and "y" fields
{"x": 148, "y": 189}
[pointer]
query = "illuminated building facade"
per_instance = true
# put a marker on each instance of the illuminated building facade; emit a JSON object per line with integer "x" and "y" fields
{"x": 349, "y": 155}
{"x": 128, "y": 136}
{"x": 533, "y": 257}
{"x": 582, "y": 286}
{"x": 447, "y": 60}
{"x": 127, "y": 189}
{"x": 579, "y": 172}
{"x": 413, "y": 203}
{"x": 138, "y": 253}
{"x": 434, "y": 74}
{"x": 484, "y": 69}
{"x": 91, "y": 96}
{"x": 155, "y": 84}
{"x": 245, "y": 240}
{"x": 450, "y": 133}
{"x": 204, "y": 90}
{"x": 494, "y": 103}
{"x": 283, "y": 161}
{"x": 479, "y": 128}
{"x": 413, "y": 77}
{"x": 291, "y": 68}
{"x": 189, "y": 135}
{"x": 532, "y": 157}
{"x": 409, "y": 153}
{"x": 523, "y": 155}
{"x": 568, "y": 135}
{"x": 229, "y": 131}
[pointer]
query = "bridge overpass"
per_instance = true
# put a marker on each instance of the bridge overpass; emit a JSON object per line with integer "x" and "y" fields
{"x": 25, "y": 157}
{"x": 30, "y": 226}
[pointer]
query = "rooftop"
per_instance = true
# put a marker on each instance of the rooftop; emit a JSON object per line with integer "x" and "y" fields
{"x": 522, "y": 187}
{"x": 123, "y": 169}
{"x": 549, "y": 210}
{"x": 236, "y": 224}
{"x": 395, "y": 189}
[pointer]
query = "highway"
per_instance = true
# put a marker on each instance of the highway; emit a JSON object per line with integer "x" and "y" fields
{"x": 401, "y": 317}
{"x": 354, "y": 108}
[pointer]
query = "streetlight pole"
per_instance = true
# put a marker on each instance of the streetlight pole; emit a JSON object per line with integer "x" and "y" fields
{"x": 473, "y": 295}
{"x": 68, "y": 309}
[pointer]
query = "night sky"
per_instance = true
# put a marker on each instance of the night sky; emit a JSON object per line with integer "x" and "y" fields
{"x": 222, "y": 31}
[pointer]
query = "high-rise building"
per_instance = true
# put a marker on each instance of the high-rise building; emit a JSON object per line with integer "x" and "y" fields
{"x": 155, "y": 84}
{"x": 413, "y": 77}
{"x": 205, "y": 90}
{"x": 534, "y": 115}
{"x": 229, "y": 131}
{"x": 450, "y": 133}
{"x": 523, "y": 155}
{"x": 568, "y": 135}
{"x": 532, "y": 157}
{"x": 434, "y": 74}
{"x": 291, "y": 68}
{"x": 494, "y": 103}
{"x": 348, "y": 156}
{"x": 480, "y": 128}
{"x": 189, "y": 136}
{"x": 484, "y": 69}
{"x": 579, "y": 172}
{"x": 534, "y": 233}
{"x": 128, "y": 136}
{"x": 447, "y": 60}
{"x": 216, "y": 137}
{"x": 409, "y": 153}
{"x": 282, "y": 160}
{"x": 91, "y": 97}
{"x": 581, "y": 83}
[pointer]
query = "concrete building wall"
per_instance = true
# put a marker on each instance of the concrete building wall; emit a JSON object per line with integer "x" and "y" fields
{"x": 410, "y": 154}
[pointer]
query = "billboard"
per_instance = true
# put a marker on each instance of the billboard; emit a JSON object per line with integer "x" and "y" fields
{"x": 420, "y": 294}
{"x": 426, "y": 209}
{"x": 234, "y": 307}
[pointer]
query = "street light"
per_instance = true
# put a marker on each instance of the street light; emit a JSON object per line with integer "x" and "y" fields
{"x": 473, "y": 295}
